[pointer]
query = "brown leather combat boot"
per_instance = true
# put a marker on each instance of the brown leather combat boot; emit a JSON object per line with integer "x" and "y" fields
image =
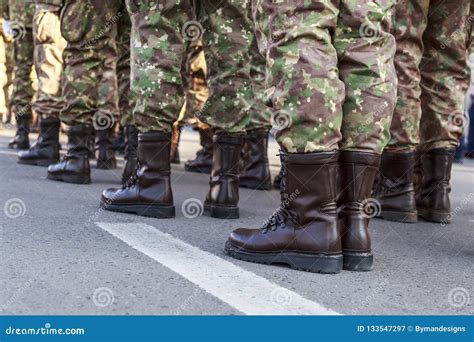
{"x": 149, "y": 193}
{"x": 74, "y": 167}
{"x": 394, "y": 187}
{"x": 303, "y": 233}
{"x": 203, "y": 161}
{"x": 357, "y": 172}
{"x": 433, "y": 198}
{"x": 46, "y": 150}
{"x": 130, "y": 156}
{"x": 255, "y": 172}
{"x": 105, "y": 153}
{"x": 223, "y": 197}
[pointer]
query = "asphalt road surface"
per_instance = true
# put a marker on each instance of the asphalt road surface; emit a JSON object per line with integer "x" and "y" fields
{"x": 60, "y": 254}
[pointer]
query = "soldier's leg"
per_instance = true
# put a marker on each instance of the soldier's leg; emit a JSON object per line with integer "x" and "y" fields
{"x": 198, "y": 95}
{"x": 90, "y": 83}
{"x": 307, "y": 97}
{"x": 126, "y": 99}
{"x": 444, "y": 82}
{"x": 8, "y": 86}
{"x": 228, "y": 36}
{"x": 395, "y": 188}
{"x": 156, "y": 59}
{"x": 255, "y": 170}
{"x": 48, "y": 61}
{"x": 3, "y": 80}
{"x": 366, "y": 50}
{"x": 21, "y": 14}
{"x": 366, "y": 68}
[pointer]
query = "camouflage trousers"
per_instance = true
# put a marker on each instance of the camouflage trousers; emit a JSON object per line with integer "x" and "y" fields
{"x": 22, "y": 93}
{"x": 49, "y": 47}
{"x": 331, "y": 73}
{"x": 165, "y": 42}
{"x": 126, "y": 99}
{"x": 3, "y": 79}
{"x": 90, "y": 59}
{"x": 432, "y": 66}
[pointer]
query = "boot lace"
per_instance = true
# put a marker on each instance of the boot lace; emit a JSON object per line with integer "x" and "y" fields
{"x": 133, "y": 178}
{"x": 283, "y": 215}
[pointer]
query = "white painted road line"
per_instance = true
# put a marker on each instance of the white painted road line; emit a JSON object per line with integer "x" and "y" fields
{"x": 241, "y": 289}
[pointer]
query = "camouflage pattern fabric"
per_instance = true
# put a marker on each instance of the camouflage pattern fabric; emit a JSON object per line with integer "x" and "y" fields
{"x": 49, "y": 47}
{"x": 3, "y": 61}
{"x": 6, "y": 75}
{"x": 331, "y": 73}
{"x": 90, "y": 58}
{"x": 21, "y": 15}
{"x": 6, "y": 54}
{"x": 3, "y": 79}
{"x": 22, "y": 12}
{"x": 165, "y": 38}
{"x": 126, "y": 99}
{"x": 432, "y": 66}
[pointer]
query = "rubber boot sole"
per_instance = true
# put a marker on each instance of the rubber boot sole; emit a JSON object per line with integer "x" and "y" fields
{"x": 399, "y": 216}
{"x": 256, "y": 185}
{"x": 37, "y": 162}
{"x": 358, "y": 262}
{"x": 225, "y": 213}
{"x": 435, "y": 216}
{"x": 68, "y": 178}
{"x": 141, "y": 210}
{"x": 316, "y": 263}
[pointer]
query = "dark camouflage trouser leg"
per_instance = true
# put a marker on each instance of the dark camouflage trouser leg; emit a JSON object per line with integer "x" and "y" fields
{"x": 90, "y": 58}
{"x": 49, "y": 47}
{"x": 126, "y": 100}
{"x": 332, "y": 74}
{"x": 432, "y": 66}
{"x": 21, "y": 14}
{"x": 164, "y": 37}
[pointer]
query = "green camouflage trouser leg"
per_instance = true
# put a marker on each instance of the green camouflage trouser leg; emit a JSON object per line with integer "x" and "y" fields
{"x": 90, "y": 58}
{"x": 49, "y": 47}
{"x": 3, "y": 79}
{"x": 236, "y": 68}
{"x": 126, "y": 100}
{"x": 21, "y": 14}
{"x": 331, "y": 71}
{"x": 432, "y": 66}
{"x": 164, "y": 31}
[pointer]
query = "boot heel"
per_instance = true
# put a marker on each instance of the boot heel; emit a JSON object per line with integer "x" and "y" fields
{"x": 434, "y": 216}
{"x": 358, "y": 262}
{"x": 225, "y": 213}
{"x": 399, "y": 216}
